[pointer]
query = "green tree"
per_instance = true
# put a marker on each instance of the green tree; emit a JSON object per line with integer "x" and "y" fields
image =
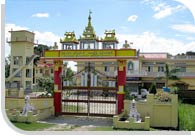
{"x": 170, "y": 74}
{"x": 127, "y": 96}
{"x": 153, "y": 88}
{"x": 127, "y": 93}
{"x": 69, "y": 74}
{"x": 46, "y": 84}
{"x": 39, "y": 50}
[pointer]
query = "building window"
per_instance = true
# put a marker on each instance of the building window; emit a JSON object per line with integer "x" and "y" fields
{"x": 89, "y": 45}
{"x": 19, "y": 74}
{"x": 160, "y": 69}
{"x": 36, "y": 81}
{"x": 36, "y": 71}
{"x": 28, "y": 73}
{"x": 150, "y": 68}
{"x": 181, "y": 68}
{"x": 41, "y": 71}
{"x": 52, "y": 70}
{"x": 17, "y": 60}
{"x": 115, "y": 68}
{"x": 106, "y": 69}
{"x": 130, "y": 65}
{"x": 46, "y": 72}
{"x": 28, "y": 84}
{"x": 28, "y": 60}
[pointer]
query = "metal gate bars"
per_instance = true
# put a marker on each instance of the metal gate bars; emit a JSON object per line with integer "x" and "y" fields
{"x": 93, "y": 101}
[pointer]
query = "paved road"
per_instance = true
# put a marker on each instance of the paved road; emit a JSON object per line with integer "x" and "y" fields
{"x": 80, "y": 120}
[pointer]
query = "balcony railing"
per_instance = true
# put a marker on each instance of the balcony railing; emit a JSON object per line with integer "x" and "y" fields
{"x": 135, "y": 73}
{"x": 20, "y": 39}
{"x": 144, "y": 73}
{"x": 182, "y": 57}
{"x": 186, "y": 74}
{"x": 156, "y": 74}
{"x": 111, "y": 74}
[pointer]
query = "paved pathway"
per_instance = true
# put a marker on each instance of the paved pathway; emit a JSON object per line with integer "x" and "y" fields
{"x": 76, "y": 123}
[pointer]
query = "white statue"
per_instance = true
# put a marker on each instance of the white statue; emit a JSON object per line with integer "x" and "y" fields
{"x": 133, "y": 112}
{"x": 27, "y": 107}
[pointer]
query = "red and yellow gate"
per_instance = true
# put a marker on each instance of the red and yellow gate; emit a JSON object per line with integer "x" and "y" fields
{"x": 89, "y": 100}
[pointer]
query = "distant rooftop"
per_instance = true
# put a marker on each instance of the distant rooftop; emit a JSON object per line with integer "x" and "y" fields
{"x": 160, "y": 55}
{"x": 21, "y": 31}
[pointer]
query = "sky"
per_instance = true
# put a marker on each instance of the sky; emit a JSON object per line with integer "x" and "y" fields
{"x": 151, "y": 25}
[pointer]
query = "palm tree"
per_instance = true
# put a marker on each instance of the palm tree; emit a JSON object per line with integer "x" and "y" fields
{"x": 170, "y": 74}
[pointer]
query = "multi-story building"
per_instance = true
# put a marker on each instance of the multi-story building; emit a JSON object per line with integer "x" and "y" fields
{"x": 46, "y": 70}
{"x": 152, "y": 70}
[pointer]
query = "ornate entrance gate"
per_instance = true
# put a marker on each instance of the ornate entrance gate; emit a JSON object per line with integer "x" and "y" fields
{"x": 86, "y": 99}
{"x": 89, "y": 101}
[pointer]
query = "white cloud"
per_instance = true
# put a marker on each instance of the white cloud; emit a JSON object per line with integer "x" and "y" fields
{"x": 162, "y": 9}
{"x": 186, "y": 28}
{"x": 150, "y": 42}
{"x": 158, "y": 7}
{"x": 132, "y": 18}
{"x": 47, "y": 38}
{"x": 190, "y": 38}
{"x": 41, "y": 15}
{"x": 166, "y": 10}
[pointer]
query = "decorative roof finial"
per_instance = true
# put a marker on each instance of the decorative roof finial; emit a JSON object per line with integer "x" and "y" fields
{"x": 89, "y": 18}
{"x": 90, "y": 12}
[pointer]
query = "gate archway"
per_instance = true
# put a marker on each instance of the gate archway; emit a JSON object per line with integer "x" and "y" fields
{"x": 83, "y": 95}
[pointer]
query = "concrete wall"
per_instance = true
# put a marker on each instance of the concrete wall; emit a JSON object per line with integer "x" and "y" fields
{"x": 38, "y": 103}
{"x": 43, "y": 106}
{"x": 161, "y": 114}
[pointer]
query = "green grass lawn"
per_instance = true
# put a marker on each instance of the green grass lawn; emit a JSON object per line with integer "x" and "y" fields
{"x": 186, "y": 117}
{"x": 32, "y": 126}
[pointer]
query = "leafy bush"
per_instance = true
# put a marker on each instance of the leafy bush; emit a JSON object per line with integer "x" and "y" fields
{"x": 127, "y": 93}
{"x": 174, "y": 90}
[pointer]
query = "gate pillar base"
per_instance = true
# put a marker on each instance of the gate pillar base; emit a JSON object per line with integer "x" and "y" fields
{"x": 121, "y": 81}
{"x": 120, "y": 98}
{"x": 57, "y": 103}
{"x": 57, "y": 86}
